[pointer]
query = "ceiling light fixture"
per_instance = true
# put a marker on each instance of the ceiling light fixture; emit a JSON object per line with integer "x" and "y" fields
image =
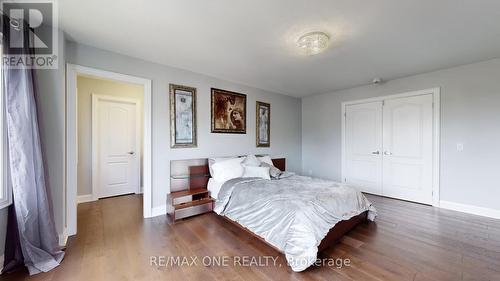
{"x": 313, "y": 42}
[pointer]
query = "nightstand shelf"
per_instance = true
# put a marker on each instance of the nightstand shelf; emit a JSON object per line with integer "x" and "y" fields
{"x": 188, "y": 203}
{"x": 188, "y": 192}
{"x": 193, "y": 203}
{"x": 183, "y": 177}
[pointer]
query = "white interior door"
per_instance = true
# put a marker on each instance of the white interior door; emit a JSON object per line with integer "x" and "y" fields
{"x": 408, "y": 148}
{"x": 363, "y": 154}
{"x": 118, "y": 163}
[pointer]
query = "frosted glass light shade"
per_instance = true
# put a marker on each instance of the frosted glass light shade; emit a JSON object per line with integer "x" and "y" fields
{"x": 314, "y": 42}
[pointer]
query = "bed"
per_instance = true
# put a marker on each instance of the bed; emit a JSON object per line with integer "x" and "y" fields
{"x": 296, "y": 215}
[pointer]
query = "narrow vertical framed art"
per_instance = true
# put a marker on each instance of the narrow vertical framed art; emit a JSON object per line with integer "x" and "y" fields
{"x": 263, "y": 121}
{"x": 182, "y": 116}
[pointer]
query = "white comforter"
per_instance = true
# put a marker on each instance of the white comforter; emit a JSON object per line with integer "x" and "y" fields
{"x": 293, "y": 214}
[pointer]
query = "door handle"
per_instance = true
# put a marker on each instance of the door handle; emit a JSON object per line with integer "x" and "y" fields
{"x": 131, "y": 152}
{"x": 387, "y": 153}
{"x": 376, "y": 152}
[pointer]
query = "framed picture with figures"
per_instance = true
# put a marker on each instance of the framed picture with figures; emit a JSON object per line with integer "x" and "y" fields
{"x": 229, "y": 112}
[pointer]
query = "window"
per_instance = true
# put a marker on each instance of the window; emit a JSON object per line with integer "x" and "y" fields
{"x": 5, "y": 192}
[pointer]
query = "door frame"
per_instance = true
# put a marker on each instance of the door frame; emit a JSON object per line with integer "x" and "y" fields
{"x": 72, "y": 71}
{"x": 96, "y": 98}
{"x": 436, "y": 94}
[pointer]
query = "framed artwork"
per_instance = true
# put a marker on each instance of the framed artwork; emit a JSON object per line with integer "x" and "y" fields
{"x": 182, "y": 116}
{"x": 263, "y": 114}
{"x": 229, "y": 112}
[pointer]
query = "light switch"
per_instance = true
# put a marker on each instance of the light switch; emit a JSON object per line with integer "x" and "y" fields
{"x": 460, "y": 147}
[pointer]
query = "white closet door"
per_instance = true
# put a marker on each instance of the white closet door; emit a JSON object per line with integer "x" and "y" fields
{"x": 363, "y": 154}
{"x": 408, "y": 148}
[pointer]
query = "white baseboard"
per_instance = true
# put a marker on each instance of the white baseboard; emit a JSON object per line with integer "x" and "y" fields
{"x": 470, "y": 209}
{"x": 84, "y": 198}
{"x": 158, "y": 211}
{"x": 63, "y": 238}
{"x": 140, "y": 191}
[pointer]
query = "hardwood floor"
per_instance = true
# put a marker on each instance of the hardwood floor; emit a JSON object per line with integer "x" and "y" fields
{"x": 408, "y": 242}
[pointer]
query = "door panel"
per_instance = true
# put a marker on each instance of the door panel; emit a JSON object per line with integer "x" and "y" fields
{"x": 116, "y": 173}
{"x": 406, "y": 129}
{"x": 363, "y": 146}
{"x": 408, "y": 140}
{"x": 118, "y": 167}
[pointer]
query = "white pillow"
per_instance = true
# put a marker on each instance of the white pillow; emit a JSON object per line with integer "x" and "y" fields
{"x": 212, "y": 161}
{"x": 266, "y": 159}
{"x": 251, "y": 160}
{"x": 227, "y": 169}
{"x": 256, "y": 172}
{"x": 273, "y": 171}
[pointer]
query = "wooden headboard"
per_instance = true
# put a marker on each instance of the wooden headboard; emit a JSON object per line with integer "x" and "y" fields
{"x": 280, "y": 163}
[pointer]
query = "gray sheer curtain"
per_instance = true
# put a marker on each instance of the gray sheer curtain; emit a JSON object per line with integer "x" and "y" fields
{"x": 35, "y": 226}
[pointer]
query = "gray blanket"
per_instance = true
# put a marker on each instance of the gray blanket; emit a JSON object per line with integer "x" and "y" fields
{"x": 293, "y": 214}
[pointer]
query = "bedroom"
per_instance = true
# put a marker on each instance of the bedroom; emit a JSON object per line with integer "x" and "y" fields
{"x": 312, "y": 89}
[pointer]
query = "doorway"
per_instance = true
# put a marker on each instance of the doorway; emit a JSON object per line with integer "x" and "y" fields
{"x": 106, "y": 113}
{"x": 391, "y": 146}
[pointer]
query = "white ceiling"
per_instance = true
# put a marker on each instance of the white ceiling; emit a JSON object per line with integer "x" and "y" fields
{"x": 253, "y": 41}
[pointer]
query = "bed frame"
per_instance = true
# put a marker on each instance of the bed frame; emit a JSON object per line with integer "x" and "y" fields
{"x": 334, "y": 235}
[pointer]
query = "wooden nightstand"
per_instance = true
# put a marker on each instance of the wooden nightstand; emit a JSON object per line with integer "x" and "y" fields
{"x": 187, "y": 203}
{"x": 184, "y": 202}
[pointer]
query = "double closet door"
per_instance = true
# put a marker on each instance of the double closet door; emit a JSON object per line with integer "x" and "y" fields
{"x": 389, "y": 147}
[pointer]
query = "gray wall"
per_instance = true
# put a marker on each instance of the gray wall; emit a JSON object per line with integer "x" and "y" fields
{"x": 470, "y": 114}
{"x": 285, "y": 123}
{"x": 51, "y": 108}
